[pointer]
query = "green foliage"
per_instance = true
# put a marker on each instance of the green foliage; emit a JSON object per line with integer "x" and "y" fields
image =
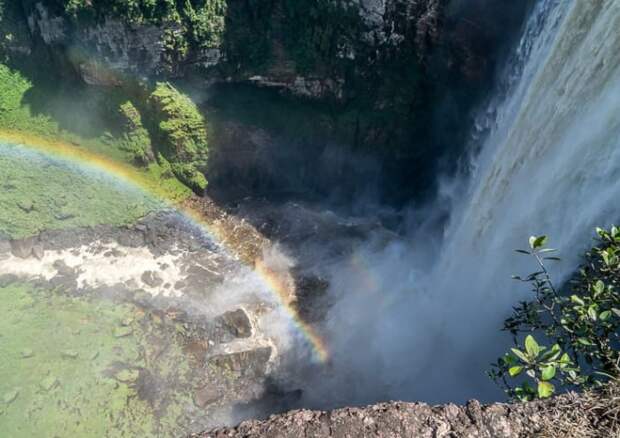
{"x": 135, "y": 138}
{"x": 17, "y": 116}
{"x": 182, "y": 134}
{"x": 582, "y": 323}
{"x": 14, "y": 114}
{"x": 205, "y": 22}
{"x": 62, "y": 350}
{"x": 39, "y": 193}
{"x": 197, "y": 24}
{"x": 319, "y": 32}
{"x": 191, "y": 176}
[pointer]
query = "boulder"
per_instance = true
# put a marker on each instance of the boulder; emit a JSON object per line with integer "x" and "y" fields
{"x": 22, "y": 248}
{"x": 237, "y": 323}
{"x": 152, "y": 279}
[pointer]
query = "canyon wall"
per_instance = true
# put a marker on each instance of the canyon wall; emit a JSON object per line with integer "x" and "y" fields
{"x": 399, "y": 77}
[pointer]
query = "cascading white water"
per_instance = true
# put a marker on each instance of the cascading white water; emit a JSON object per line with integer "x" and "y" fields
{"x": 550, "y": 164}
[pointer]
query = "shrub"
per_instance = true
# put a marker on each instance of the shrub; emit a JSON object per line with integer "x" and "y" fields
{"x": 182, "y": 135}
{"x": 580, "y": 322}
{"x": 135, "y": 138}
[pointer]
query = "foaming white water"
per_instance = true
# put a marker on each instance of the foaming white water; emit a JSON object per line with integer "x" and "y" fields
{"x": 550, "y": 164}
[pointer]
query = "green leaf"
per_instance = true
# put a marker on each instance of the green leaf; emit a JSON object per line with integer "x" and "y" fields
{"x": 531, "y": 347}
{"x": 548, "y": 372}
{"x": 545, "y": 389}
{"x": 575, "y": 299}
{"x": 604, "y": 316}
{"x": 565, "y": 360}
{"x": 616, "y": 312}
{"x": 552, "y": 354}
{"x": 515, "y": 371}
{"x": 592, "y": 312}
{"x": 584, "y": 341}
{"x": 542, "y": 251}
{"x": 537, "y": 241}
{"x": 599, "y": 287}
{"x": 520, "y": 355}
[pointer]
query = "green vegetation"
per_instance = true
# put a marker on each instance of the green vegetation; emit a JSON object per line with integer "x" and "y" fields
{"x": 80, "y": 366}
{"x": 39, "y": 193}
{"x": 135, "y": 138}
{"x": 78, "y": 118}
{"x": 182, "y": 136}
{"x": 314, "y": 36}
{"x": 200, "y": 23}
{"x": 582, "y": 325}
{"x": 13, "y": 113}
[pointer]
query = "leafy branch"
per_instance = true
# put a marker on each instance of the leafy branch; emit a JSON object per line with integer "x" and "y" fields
{"x": 582, "y": 324}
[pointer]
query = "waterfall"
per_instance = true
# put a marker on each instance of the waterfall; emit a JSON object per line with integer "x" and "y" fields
{"x": 549, "y": 164}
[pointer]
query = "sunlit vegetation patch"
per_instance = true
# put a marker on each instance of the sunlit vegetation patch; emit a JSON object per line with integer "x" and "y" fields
{"x": 182, "y": 135}
{"x": 76, "y": 366}
{"x": 65, "y": 119}
{"x": 39, "y": 193}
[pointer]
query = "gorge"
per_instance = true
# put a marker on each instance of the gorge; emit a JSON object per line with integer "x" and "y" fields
{"x": 218, "y": 211}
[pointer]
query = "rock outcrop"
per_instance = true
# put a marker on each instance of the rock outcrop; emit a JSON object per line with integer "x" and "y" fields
{"x": 568, "y": 416}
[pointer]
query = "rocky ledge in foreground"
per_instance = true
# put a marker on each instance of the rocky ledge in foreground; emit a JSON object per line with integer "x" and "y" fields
{"x": 592, "y": 414}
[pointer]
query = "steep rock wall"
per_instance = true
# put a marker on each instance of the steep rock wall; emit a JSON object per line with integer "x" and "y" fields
{"x": 591, "y": 414}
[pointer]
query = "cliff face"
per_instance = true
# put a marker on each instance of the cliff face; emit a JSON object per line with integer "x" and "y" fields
{"x": 571, "y": 415}
{"x": 397, "y": 78}
{"x": 308, "y": 48}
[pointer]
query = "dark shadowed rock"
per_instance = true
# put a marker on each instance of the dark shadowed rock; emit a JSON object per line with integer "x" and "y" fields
{"x": 8, "y": 279}
{"x": 237, "y": 323}
{"x": 152, "y": 279}
{"x": 398, "y": 419}
{"x": 205, "y": 396}
{"x": 22, "y": 248}
{"x": 249, "y": 363}
{"x": 38, "y": 251}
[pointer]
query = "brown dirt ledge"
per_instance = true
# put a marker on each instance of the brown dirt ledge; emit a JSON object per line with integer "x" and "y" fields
{"x": 591, "y": 414}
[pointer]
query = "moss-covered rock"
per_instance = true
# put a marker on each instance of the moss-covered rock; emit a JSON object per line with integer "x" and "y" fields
{"x": 181, "y": 134}
{"x": 135, "y": 138}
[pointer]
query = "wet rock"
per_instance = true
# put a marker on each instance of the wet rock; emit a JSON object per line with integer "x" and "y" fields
{"x": 237, "y": 323}
{"x": 62, "y": 268}
{"x": 26, "y": 353}
{"x": 249, "y": 363}
{"x": 8, "y": 279}
{"x": 49, "y": 383}
{"x": 122, "y": 332}
{"x": 22, "y": 248}
{"x": 25, "y": 205}
{"x": 38, "y": 251}
{"x": 10, "y": 396}
{"x": 130, "y": 238}
{"x": 152, "y": 279}
{"x": 64, "y": 215}
{"x": 127, "y": 375}
{"x": 205, "y": 396}
{"x": 69, "y": 354}
{"x": 114, "y": 252}
{"x": 5, "y": 246}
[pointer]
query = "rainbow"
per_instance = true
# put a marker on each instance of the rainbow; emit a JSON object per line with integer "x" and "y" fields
{"x": 279, "y": 284}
